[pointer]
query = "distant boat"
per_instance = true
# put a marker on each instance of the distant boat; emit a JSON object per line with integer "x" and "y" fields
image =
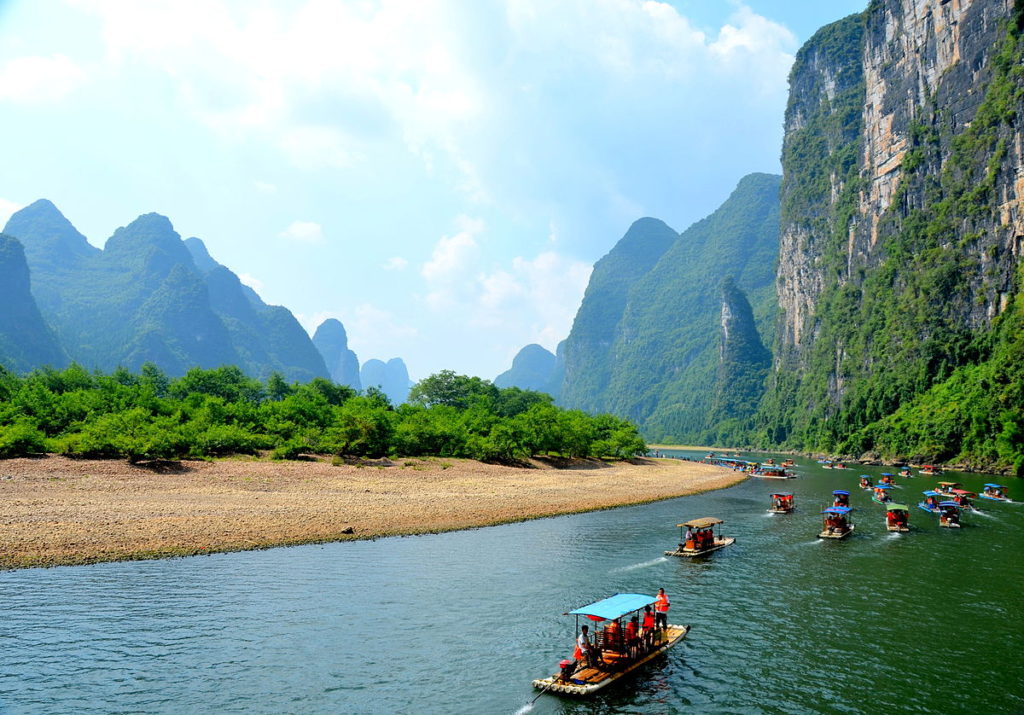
{"x": 841, "y": 497}
{"x": 865, "y": 482}
{"x": 947, "y": 487}
{"x": 836, "y": 523}
{"x": 897, "y": 517}
{"x": 930, "y": 470}
{"x": 881, "y": 495}
{"x": 613, "y": 655}
{"x": 781, "y": 503}
{"x": 906, "y": 472}
{"x": 703, "y": 539}
{"x": 772, "y": 472}
{"x": 994, "y": 492}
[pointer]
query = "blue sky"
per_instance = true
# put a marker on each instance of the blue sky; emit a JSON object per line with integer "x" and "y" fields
{"x": 437, "y": 174}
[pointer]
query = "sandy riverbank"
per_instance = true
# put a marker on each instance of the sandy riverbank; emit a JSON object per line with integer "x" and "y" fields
{"x": 56, "y": 511}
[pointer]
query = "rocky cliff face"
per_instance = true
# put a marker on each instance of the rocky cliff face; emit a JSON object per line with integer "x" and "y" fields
{"x": 743, "y": 363}
{"x": 26, "y": 341}
{"x": 332, "y": 342}
{"x": 901, "y": 223}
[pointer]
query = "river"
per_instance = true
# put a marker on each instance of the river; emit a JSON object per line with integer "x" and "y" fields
{"x": 930, "y": 621}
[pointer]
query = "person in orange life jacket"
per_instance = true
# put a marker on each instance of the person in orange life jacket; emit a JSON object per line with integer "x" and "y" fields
{"x": 633, "y": 636}
{"x": 613, "y": 636}
{"x": 648, "y": 626}
{"x": 661, "y": 606}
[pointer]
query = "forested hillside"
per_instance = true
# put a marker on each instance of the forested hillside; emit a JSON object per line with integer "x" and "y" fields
{"x": 645, "y": 344}
{"x": 151, "y": 297}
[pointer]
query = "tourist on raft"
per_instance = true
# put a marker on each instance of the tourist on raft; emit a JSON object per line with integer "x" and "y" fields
{"x": 661, "y": 606}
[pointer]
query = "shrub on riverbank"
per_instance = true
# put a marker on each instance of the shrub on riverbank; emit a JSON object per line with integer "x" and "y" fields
{"x": 209, "y": 413}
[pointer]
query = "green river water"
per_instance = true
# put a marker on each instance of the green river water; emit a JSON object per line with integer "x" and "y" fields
{"x": 929, "y": 621}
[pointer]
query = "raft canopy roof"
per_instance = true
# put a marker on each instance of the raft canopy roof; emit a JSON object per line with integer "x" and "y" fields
{"x": 615, "y": 606}
{"x": 949, "y": 503}
{"x": 705, "y": 523}
{"x": 998, "y": 486}
{"x": 898, "y": 507}
{"x": 781, "y": 494}
{"x": 837, "y": 510}
{"x": 841, "y": 491}
{"x": 949, "y": 484}
{"x": 888, "y": 474}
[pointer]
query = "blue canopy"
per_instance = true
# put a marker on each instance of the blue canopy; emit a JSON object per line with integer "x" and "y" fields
{"x": 931, "y": 493}
{"x": 865, "y": 476}
{"x": 888, "y": 474}
{"x": 883, "y": 486}
{"x": 838, "y": 510}
{"x": 997, "y": 486}
{"x": 841, "y": 491}
{"x": 615, "y": 606}
{"x": 949, "y": 503}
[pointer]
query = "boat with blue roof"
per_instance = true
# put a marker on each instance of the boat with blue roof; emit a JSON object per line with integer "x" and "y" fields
{"x": 930, "y": 502}
{"x": 949, "y": 514}
{"x": 865, "y": 482}
{"x": 614, "y": 652}
{"x": 994, "y": 492}
{"x": 840, "y": 497}
{"x": 837, "y": 522}
{"x": 881, "y": 495}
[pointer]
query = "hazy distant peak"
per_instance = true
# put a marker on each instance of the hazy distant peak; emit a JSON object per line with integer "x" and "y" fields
{"x": 332, "y": 330}
{"x": 42, "y": 224}
{"x": 200, "y": 255}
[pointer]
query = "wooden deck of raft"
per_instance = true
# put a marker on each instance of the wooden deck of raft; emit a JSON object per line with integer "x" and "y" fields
{"x": 592, "y": 679}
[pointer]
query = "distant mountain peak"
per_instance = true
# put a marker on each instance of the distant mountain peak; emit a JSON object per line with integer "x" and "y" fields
{"x": 44, "y": 231}
{"x": 200, "y": 255}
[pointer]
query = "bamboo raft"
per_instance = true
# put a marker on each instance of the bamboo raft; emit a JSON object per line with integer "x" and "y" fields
{"x": 612, "y": 667}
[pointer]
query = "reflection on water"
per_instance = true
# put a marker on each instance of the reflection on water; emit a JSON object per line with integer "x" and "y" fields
{"x": 461, "y": 622}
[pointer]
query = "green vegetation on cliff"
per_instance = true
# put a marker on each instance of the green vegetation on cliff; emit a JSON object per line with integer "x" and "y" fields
{"x": 26, "y": 341}
{"x": 648, "y": 332}
{"x": 904, "y": 361}
{"x": 207, "y": 413}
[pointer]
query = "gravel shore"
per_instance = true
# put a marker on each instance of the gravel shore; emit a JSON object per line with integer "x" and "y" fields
{"x": 59, "y": 511}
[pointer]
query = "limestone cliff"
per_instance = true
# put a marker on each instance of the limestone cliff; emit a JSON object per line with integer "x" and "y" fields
{"x": 901, "y": 224}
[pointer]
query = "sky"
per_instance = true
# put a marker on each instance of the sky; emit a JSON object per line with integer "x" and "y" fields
{"x": 439, "y": 175}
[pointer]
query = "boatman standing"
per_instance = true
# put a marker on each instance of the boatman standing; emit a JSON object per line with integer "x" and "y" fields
{"x": 583, "y": 645}
{"x": 661, "y": 606}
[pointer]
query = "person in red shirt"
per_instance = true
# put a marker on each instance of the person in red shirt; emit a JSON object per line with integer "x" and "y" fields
{"x": 633, "y": 637}
{"x": 648, "y": 626}
{"x": 661, "y": 606}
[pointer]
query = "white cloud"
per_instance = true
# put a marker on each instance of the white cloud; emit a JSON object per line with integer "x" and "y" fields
{"x": 395, "y": 263}
{"x": 38, "y": 80}
{"x": 539, "y": 296}
{"x": 452, "y": 266}
{"x": 6, "y": 209}
{"x": 304, "y": 232}
{"x": 265, "y": 187}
